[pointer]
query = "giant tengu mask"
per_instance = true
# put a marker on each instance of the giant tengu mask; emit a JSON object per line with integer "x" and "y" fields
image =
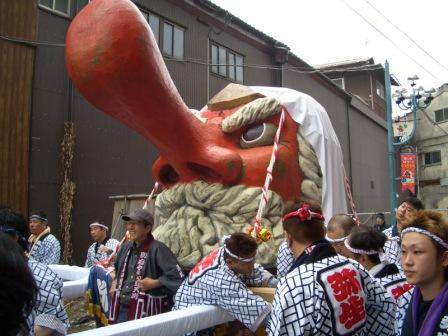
{"x": 212, "y": 163}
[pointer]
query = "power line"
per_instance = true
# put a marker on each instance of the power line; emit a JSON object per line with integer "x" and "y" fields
{"x": 391, "y": 41}
{"x": 405, "y": 34}
{"x": 304, "y": 70}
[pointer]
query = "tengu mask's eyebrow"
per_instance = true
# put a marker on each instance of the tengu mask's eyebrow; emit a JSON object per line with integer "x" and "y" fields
{"x": 253, "y": 112}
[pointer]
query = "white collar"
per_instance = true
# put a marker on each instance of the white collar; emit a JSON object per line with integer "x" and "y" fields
{"x": 377, "y": 268}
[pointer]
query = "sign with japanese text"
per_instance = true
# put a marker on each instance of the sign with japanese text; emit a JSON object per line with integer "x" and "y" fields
{"x": 408, "y": 171}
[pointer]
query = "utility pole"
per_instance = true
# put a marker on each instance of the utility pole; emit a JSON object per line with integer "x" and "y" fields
{"x": 390, "y": 147}
{"x": 418, "y": 99}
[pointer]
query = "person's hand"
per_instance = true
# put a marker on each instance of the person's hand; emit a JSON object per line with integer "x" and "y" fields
{"x": 148, "y": 283}
{"x": 113, "y": 287}
{"x": 42, "y": 331}
{"x": 104, "y": 249}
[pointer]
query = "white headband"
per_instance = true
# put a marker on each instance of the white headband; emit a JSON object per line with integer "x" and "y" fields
{"x": 437, "y": 239}
{"x": 224, "y": 239}
{"x": 100, "y": 225}
{"x": 334, "y": 241}
{"x": 359, "y": 251}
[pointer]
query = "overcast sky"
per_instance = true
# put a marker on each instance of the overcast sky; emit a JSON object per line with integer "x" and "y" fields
{"x": 325, "y": 31}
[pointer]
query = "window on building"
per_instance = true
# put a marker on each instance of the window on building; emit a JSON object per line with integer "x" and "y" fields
{"x": 432, "y": 158}
{"x": 169, "y": 36}
{"x": 80, "y": 4}
{"x": 154, "y": 24}
{"x": 339, "y": 82}
{"x": 441, "y": 115}
{"x": 173, "y": 40}
{"x": 57, "y": 6}
{"x": 380, "y": 90}
{"x": 226, "y": 63}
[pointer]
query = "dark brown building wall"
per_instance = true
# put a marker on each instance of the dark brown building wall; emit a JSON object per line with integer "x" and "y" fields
{"x": 109, "y": 158}
{"x": 17, "y": 21}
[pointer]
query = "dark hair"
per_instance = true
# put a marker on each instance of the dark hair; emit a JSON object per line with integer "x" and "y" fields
{"x": 414, "y": 202}
{"x": 18, "y": 288}
{"x": 39, "y": 213}
{"x": 344, "y": 221}
{"x": 241, "y": 244}
{"x": 365, "y": 237}
{"x": 380, "y": 215}
{"x": 13, "y": 223}
{"x": 304, "y": 231}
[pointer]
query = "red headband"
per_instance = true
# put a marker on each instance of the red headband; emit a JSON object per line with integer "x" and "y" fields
{"x": 304, "y": 214}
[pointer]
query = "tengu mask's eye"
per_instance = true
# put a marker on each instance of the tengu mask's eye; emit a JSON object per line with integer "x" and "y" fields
{"x": 258, "y": 135}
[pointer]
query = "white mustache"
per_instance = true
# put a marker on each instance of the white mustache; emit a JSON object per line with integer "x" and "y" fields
{"x": 194, "y": 217}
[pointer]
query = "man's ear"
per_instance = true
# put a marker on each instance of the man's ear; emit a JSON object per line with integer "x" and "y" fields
{"x": 289, "y": 239}
{"x": 445, "y": 259}
{"x": 229, "y": 262}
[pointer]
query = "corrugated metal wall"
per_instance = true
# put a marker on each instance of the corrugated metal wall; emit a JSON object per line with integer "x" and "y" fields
{"x": 18, "y": 21}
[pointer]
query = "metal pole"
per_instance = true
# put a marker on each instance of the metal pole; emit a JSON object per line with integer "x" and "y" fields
{"x": 390, "y": 147}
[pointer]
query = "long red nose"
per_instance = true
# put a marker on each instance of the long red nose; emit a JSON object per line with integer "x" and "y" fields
{"x": 114, "y": 61}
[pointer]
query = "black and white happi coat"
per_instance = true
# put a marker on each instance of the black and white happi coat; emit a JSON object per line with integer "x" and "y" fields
{"x": 49, "y": 305}
{"x": 392, "y": 250}
{"x": 46, "y": 250}
{"x": 285, "y": 258}
{"x": 327, "y": 294}
{"x": 94, "y": 255}
{"x": 391, "y": 279}
{"x": 212, "y": 282}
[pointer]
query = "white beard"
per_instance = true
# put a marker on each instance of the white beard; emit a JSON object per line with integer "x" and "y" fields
{"x": 192, "y": 219}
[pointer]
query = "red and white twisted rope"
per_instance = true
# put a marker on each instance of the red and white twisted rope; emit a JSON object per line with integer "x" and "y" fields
{"x": 153, "y": 191}
{"x": 264, "y": 191}
{"x": 350, "y": 197}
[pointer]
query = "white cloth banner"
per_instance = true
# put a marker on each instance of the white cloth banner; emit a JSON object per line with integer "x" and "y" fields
{"x": 173, "y": 323}
{"x": 75, "y": 279}
{"x": 319, "y": 131}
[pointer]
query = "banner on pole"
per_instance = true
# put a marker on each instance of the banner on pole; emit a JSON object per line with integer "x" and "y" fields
{"x": 408, "y": 171}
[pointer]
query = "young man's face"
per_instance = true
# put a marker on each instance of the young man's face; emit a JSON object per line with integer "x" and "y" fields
{"x": 404, "y": 215}
{"x": 379, "y": 221}
{"x": 97, "y": 233}
{"x": 138, "y": 231}
{"x": 240, "y": 267}
{"x": 421, "y": 263}
{"x": 37, "y": 226}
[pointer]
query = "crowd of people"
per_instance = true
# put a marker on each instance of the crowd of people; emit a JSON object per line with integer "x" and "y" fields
{"x": 334, "y": 279}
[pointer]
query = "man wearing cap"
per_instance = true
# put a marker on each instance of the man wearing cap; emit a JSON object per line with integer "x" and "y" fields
{"x": 45, "y": 247}
{"x": 103, "y": 246}
{"x": 146, "y": 272}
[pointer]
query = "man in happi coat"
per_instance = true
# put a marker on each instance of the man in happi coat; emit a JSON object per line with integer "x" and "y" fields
{"x": 45, "y": 248}
{"x": 285, "y": 258}
{"x": 103, "y": 246}
{"x": 48, "y": 314}
{"x": 147, "y": 273}
{"x": 325, "y": 293}
{"x": 405, "y": 214}
{"x": 220, "y": 279}
{"x": 365, "y": 244}
{"x": 424, "y": 245}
